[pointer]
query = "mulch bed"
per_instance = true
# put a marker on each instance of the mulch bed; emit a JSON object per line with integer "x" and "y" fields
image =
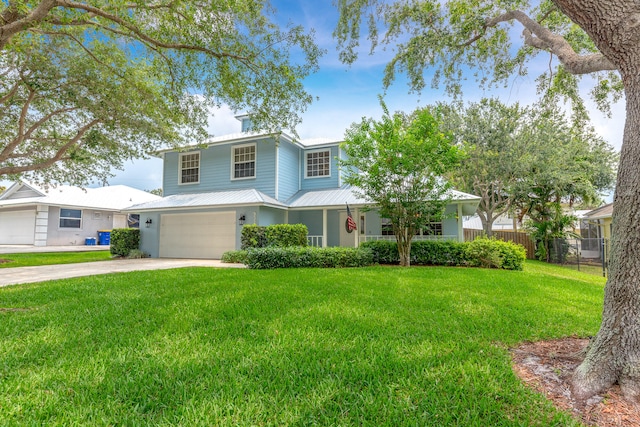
{"x": 547, "y": 366}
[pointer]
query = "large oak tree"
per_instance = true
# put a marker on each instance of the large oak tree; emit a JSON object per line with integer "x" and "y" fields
{"x": 86, "y": 85}
{"x": 600, "y": 38}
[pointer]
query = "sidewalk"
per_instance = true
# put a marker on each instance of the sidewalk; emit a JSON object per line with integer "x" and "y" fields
{"x": 14, "y": 276}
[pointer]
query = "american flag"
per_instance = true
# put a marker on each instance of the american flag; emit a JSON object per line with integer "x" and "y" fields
{"x": 351, "y": 224}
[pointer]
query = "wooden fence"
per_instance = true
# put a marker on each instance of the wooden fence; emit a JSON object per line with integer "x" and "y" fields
{"x": 516, "y": 237}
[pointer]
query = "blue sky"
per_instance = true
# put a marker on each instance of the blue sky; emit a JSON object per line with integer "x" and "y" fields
{"x": 346, "y": 94}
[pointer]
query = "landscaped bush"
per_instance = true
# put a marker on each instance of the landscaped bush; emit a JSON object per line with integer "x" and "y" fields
{"x": 276, "y": 235}
{"x": 235, "y": 257}
{"x": 137, "y": 254}
{"x": 423, "y": 252}
{"x": 488, "y": 253}
{"x": 384, "y": 251}
{"x": 492, "y": 253}
{"x": 447, "y": 252}
{"x": 283, "y": 235}
{"x": 124, "y": 240}
{"x": 296, "y": 257}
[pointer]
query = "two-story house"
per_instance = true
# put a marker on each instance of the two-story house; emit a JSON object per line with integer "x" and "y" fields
{"x": 213, "y": 189}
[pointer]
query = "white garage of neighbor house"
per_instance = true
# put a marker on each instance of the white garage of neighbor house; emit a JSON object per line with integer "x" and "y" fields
{"x": 63, "y": 215}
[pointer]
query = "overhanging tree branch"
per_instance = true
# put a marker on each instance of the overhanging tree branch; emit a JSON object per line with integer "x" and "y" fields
{"x": 540, "y": 37}
{"x": 59, "y": 155}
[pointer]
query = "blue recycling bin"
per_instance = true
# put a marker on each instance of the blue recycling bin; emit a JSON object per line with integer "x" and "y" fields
{"x": 104, "y": 237}
{"x": 90, "y": 241}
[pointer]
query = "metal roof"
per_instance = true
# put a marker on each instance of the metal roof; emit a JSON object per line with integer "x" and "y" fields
{"x": 114, "y": 197}
{"x": 605, "y": 211}
{"x": 327, "y": 198}
{"x": 347, "y": 194}
{"x": 210, "y": 199}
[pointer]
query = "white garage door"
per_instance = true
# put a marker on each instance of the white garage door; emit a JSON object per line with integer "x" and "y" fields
{"x": 201, "y": 235}
{"x": 17, "y": 227}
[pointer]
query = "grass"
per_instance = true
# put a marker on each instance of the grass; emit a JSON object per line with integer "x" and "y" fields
{"x": 51, "y": 258}
{"x": 379, "y": 346}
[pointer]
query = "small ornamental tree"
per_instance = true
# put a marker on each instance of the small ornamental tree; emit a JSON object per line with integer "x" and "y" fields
{"x": 598, "y": 38}
{"x": 397, "y": 163}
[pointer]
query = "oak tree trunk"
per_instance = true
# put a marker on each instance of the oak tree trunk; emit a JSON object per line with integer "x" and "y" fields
{"x": 614, "y": 354}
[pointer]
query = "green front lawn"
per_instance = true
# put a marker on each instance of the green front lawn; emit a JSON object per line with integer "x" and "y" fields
{"x": 199, "y": 346}
{"x": 50, "y": 258}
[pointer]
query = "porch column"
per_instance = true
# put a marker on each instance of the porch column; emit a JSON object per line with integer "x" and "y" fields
{"x": 324, "y": 228}
{"x": 356, "y": 238}
{"x": 460, "y": 229}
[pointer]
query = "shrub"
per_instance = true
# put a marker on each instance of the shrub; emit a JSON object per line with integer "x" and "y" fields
{"x": 278, "y": 235}
{"x": 423, "y": 252}
{"x": 297, "y": 256}
{"x": 492, "y": 253}
{"x": 235, "y": 257}
{"x": 137, "y": 254}
{"x": 431, "y": 252}
{"x": 252, "y": 236}
{"x": 124, "y": 240}
{"x": 384, "y": 251}
{"x": 283, "y": 235}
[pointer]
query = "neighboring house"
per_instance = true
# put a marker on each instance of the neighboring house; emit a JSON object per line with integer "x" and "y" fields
{"x": 504, "y": 222}
{"x": 595, "y": 230}
{"x": 63, "y": 215}
{"x": 213, "y": 189}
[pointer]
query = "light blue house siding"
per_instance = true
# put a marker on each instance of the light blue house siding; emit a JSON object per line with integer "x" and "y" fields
{"x": 269, "y": 216}
{"x": 215, "y": 170}
{"x": 288, "y": 170}
{"x": 318, "y": 183}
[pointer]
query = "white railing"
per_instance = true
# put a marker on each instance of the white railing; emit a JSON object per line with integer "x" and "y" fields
{"x": 314, "y": 241}
{"x": 415, "y": 238}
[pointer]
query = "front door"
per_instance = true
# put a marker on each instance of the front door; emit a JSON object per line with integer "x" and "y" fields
{"x": 346, "y": 238}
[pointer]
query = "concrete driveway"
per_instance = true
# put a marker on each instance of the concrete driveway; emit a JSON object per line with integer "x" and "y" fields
{"x": 14, "y": 276}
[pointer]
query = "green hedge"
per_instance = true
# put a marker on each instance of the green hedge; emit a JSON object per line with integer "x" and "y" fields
{"x": 488, "y": 253}
{"x": 278, "y": 235}
{"x": 124, "y": 240}
{"x": 297, "y": 257}
{"x": 234, "y": 257}
{"x": 423, "y": 252}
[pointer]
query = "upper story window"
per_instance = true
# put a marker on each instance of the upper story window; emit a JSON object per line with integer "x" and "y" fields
{"x": 190, "y": 168}
{"x": 244, "y": 161}
{"x": 70, "y": 218}
{"x": 318, "y": 163}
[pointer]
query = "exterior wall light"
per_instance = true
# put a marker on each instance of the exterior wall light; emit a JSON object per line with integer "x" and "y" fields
{"x": 148, "y": 222}
{"x": 242, "y": 219}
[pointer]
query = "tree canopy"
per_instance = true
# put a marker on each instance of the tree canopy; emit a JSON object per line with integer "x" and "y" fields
{"x": 87, "y": 85}
{"x": 599, "y": 38}
{"x": 527, "y": 158}
{"x": 398, "y": 163}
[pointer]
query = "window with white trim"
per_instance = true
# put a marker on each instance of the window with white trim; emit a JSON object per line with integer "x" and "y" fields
{"x": 387, "y": 227}
{"x": 189, "y": 168}
{"x": 318, "y": 163}
{"x": 244, "y": 161}
{"x": 70, "y": 218}
{"x": 432, "y": 229}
